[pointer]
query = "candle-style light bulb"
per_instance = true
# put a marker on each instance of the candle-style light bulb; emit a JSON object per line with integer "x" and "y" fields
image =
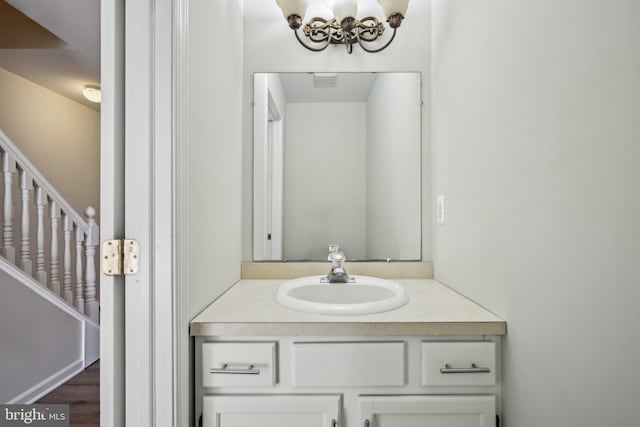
{"x": 293, "y": 11}
{"x": 394, "y": 10}
{"x": 343, "y": 9}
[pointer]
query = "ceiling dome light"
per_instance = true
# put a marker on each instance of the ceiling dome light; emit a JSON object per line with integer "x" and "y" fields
{"x": 92, "y": 93}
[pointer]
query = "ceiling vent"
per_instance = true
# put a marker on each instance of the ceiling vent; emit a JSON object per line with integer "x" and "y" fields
{"x": 325, "y": 79}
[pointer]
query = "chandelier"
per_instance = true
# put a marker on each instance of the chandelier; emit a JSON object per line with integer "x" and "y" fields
{"x": 344, "y": 28}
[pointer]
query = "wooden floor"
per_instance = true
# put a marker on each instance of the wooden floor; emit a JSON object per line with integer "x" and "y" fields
{"x": 82, "y": 393}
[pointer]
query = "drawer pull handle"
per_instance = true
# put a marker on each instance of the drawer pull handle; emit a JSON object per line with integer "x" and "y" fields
{"x": 474, "y": 369}
{"x": 226, "y": 370}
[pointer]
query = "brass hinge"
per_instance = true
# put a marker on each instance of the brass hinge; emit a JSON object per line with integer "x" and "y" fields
{"x": 120, "y": 257}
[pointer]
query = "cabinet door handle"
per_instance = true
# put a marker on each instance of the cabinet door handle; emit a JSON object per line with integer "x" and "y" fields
{"x": 474, "y": 369}
{"x": 334, "y": 423}
{"x": 367, "y": 423}
{"x": 226, "y": 370}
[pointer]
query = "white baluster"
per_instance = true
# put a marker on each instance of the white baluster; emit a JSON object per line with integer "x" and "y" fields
{"x": 79, "y": 297}
{"x": 67, "y": 226}
{"x": 91, "y": 306}
{"x": 8, "y": 169}
{"x": 26, "y": 185}
{"x": 41, "y": 200}
{"x": 54, "y": 215}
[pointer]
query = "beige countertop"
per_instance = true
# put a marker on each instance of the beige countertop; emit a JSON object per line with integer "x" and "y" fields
{"x": 249, "y": 309}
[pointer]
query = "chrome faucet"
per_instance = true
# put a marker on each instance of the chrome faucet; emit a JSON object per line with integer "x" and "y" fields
{"x": 337, "y": 274}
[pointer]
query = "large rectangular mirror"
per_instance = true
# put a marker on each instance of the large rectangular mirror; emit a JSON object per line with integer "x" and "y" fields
{"x": 337, "y": 160}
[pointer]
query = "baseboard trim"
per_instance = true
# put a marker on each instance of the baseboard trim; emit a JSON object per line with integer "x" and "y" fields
{"x": 49, "y": 384}
{"x": 91, "y": 343}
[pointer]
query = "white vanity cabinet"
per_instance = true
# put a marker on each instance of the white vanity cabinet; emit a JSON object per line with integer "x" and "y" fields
{"x": 410, "y": 381}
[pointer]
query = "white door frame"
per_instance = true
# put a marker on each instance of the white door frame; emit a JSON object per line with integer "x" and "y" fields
{"x": 275, "y": 207}
{"x": 112, "y": 391}
{"x": 268, "y": 172}
{"x": 146, "y": 355}
{"x": 149, "y": 212}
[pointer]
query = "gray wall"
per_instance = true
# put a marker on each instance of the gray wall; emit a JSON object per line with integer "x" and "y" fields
{"x": 33, "y": 350}
{"x": 393, "y": 168}
{"x": 325, "y": 167}
{"x": 537, "y": 144}
{"x": 213, "y": 152}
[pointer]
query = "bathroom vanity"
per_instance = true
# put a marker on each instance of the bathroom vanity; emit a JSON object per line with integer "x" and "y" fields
{"x": 433, "y": 361}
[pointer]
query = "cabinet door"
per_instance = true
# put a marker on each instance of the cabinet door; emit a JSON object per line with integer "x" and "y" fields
{"x": 271, "y": 411}
{"x": 426, "y": 411}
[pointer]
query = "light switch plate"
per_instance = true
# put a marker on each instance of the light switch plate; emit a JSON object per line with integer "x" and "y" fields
{"x": 440, "y": 209}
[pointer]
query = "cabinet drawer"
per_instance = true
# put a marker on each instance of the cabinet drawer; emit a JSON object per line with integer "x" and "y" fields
{"x": 238, "y": 364}
{"x": 458, "y": 363}
{"x": 349, "y": 364}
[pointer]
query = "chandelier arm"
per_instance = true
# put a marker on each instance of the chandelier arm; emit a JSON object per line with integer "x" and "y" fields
{"x": 348, "y": 42}
{"x": 379, "y": 49}
{"x": 314, "y": 49}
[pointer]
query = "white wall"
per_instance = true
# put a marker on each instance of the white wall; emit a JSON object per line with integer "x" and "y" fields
{"x": 536, "y": 144}
{"x": 270, "y": 46}
{"x": 59, "y": 136}
{"x": 214, "y": 149}
{"x": 325, "y": 165}
{"x": 34, "y": 352}
{"x": 393, "y": 184}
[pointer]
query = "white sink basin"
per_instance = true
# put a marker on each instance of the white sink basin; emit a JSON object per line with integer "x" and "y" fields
{"x": 366, "y": 295}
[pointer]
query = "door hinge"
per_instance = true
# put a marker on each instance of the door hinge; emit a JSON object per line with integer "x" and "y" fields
{"x": 120, "y": 257}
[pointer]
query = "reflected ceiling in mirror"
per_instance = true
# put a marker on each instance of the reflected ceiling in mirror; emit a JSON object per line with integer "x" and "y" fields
{"x": 337, "y": 159}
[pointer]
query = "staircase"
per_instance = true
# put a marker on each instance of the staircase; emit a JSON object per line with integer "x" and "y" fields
{"x": 49, "y": 311}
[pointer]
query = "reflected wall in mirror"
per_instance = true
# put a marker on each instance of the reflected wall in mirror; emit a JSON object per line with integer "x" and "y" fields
{"x": 337, "y": 159}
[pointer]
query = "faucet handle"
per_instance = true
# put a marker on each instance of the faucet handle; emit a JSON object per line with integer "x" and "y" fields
{"x": 336, "y": 256}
